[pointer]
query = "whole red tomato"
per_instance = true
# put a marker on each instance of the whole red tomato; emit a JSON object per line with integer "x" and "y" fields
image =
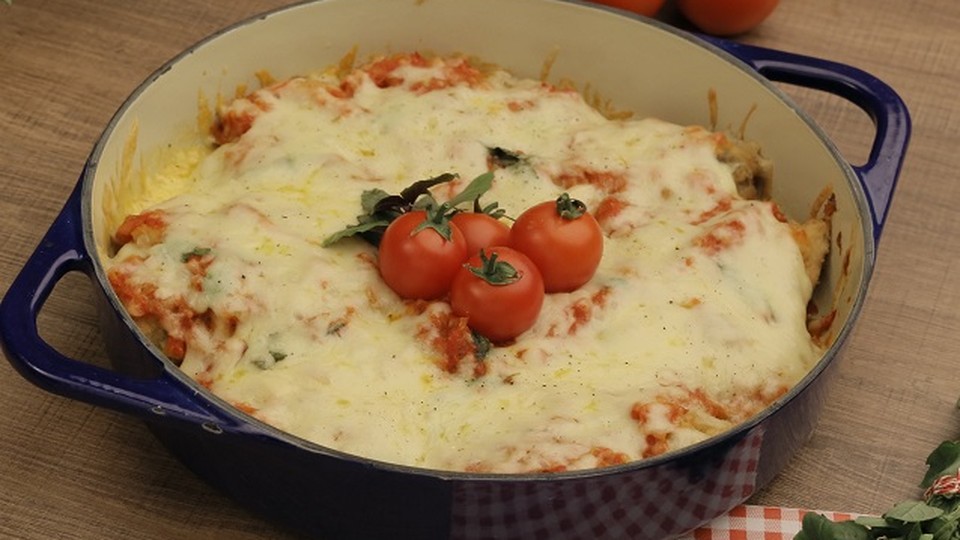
{"x": 500, "y": 292}
{"x": 648, "y": 8}
{"x": 416, "y": 259}
{"x": 562, "y": 239}
{"x": 481, "y": 230}
{"x": 726, "y": 17}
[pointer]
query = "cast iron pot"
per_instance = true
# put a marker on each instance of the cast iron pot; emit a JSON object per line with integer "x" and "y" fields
{"x": 639, "y": 65}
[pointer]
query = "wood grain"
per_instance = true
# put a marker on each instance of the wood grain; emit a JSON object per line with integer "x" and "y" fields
{"x": 70, "y": 470}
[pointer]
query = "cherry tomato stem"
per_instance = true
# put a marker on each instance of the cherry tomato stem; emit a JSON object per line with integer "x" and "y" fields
{"x": 494, "y": 271}
{"x": 498, "y": 311}
{"x": 566, "y": 250}
{"x": 416, "y": 260}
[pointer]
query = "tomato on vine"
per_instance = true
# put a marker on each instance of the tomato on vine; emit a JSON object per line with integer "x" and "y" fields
{"x": 562, "y": 239}
{"x": 500, "y": 292}
{"x": 420, "y": 253}
{"x": 481, "y": 230}
{"x": 483, "y": 227}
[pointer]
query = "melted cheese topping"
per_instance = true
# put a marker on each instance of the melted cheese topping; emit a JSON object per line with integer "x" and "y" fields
{"x": 694, "y": 321}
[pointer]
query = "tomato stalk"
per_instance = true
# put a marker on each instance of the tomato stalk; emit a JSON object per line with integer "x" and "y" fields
{"x": 437, "y": 219}
{"x": 570, "y": 208}
{"x": 494, "y": 271}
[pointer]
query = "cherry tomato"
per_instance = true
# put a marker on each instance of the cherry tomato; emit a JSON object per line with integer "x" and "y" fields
{"x": 562, "y": 239}
{"x": 417, "y": 261}
{"x": 500, "y": 292}
{"x": 648, "y": 8}
{"x": 481, "y": 230}
{"x": 726, "y": 17}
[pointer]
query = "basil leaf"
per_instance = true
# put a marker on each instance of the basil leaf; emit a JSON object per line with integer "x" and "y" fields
{"x": 947, "y": 530}
{"x": 944, "y": 460}
{"x": 913, "y": 512}
{"x": 370, "y": 198}
{"x": 477, "y": 187}
{"x": 818, "y": 527}
{"x": 381, "y": 208}
{"x": 195, "y": 252}
{"x": 502, "y": 158}
{"x": 913, "y": 532}
{"x": 481, "y": 345}
{"x": 353, "y": 230}
{"x": 947, "y": 526}
{"x": 422, "y": 187}
{"x": 873, "y": 522}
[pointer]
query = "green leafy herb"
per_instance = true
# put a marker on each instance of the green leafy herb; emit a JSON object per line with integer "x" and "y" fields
{"x": 481, "y": 346}
{"x": 913, "y": 512}
{"x": 502, "y": 158}
{"x": 937, "y": 517}
{"x": 477, "y": 187}
{"x": 334, "y": 328}
{"x": 817, "y": 526}
{"x": 381, "y": 208}
{"x": 945, "y": 459}
{"x": 372, "y": 226}
{"x": 267, "y": 363}
{"x": 195, "y": 252}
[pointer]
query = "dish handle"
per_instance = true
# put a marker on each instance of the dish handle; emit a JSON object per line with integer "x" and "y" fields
{"x": 883, "y": 105}
{"x": 62, "y": 251}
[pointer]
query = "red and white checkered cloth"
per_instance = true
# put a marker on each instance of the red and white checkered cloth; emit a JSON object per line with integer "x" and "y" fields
{"x": 749, "y": 522}
{"x": 654, "y": 503}
{"x": 644, "y": 505}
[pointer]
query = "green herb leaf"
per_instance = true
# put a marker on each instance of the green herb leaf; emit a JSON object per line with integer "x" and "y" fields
{"x": 195, "y": 252}
{"x": 477, "y": 187}
{"x": 947, "y": 526}
{"x": 945, "y": 529}
{"x": 818, "y": 527}
{"x": 481, "y": 346}
{"x": 503, "y": 158}
{"x": 913, "y": 512}
{"x": 353, "y": 230}
{"x": 422, "y": 187}
{"x": 381, "y": 208}
{"x": 914, "y": 532}
{"x": 944, "y": 460}
{"x": 872, "y": 522}
{"x": 370, "y": 198}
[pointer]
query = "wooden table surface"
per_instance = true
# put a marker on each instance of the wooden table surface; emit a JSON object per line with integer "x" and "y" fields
{"x": 71, "y": 470}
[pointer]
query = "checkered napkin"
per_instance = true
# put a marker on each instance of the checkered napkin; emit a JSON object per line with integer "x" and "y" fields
{"x": 649, "y": 504}
{"x": 748, "y": 522}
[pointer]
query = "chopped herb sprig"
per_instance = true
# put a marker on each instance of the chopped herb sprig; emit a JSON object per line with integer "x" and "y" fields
{"x": 381, "y": 208}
